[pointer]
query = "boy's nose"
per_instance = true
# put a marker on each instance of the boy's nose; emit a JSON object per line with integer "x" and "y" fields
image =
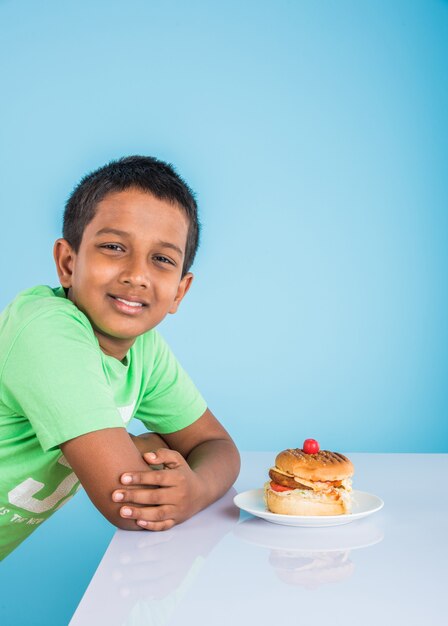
{"x": 136, "y": 274}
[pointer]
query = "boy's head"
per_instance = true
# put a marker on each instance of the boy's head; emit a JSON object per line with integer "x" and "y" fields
{"x": 141, "y": 172}
{"x": 130, "y": 235}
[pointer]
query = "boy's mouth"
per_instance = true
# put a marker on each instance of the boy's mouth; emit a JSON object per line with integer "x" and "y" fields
{"x": 130, "y": 305}
{"x": 128, "y": 302}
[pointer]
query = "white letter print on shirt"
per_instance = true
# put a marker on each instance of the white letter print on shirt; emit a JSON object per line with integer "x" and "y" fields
{"x": 126, "y": 412}
{"x": 23, "y": 495}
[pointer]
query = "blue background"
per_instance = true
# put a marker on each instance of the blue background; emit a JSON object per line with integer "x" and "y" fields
{"x": 315, "y": 135}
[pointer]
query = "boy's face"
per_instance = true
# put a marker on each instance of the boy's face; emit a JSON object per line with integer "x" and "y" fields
{"x": 127, "y": 273}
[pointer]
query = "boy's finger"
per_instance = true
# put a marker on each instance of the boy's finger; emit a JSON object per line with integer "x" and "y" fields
{"x": 148, "y": 497}
{"x": 165, "y": 456}
{"x": 149, "y": 514}
{"x": 157, "y": 526}
{"x": 153, "y": 478}
{"x": 139, "y": 478}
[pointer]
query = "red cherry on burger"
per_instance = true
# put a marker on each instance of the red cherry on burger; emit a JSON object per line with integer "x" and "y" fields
{"x": 311, "y": 446}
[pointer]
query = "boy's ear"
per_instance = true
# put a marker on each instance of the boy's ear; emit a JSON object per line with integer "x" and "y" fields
{"x": 182, "y": 289}
{"x": 64, "y": 257}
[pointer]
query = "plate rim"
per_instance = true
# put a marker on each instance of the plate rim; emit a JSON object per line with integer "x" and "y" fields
{"x": 309, "y": 518}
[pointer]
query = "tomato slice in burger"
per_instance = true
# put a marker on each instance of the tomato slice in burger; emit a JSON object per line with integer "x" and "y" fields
{"x": 277, "y": 487}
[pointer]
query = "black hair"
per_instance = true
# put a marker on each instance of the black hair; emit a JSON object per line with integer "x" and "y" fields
{"x": 142, "y": 172}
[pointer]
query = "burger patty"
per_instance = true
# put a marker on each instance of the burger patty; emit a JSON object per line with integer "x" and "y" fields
{"x": 285, "y": 481}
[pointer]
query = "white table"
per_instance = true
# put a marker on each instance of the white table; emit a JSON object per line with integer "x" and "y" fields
{"x": 227, "y": 568}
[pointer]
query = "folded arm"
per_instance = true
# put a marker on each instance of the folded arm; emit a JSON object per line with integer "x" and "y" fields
{"x": 200, "y": 462}
{"x": 99, "y": 459}
{"x": 200, "y": 467}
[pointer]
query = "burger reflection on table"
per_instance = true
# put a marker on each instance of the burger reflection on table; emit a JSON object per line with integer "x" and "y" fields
{"x": 311, "y": 569}
{"x": 310, "y": 557}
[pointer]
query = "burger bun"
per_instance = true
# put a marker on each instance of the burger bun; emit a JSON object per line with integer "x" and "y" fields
{"x": 295, "y": 503}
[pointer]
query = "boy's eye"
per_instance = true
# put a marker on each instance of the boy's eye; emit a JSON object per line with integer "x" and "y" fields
{"x": 115, "y": 247}
{"x": 163, "y": 259}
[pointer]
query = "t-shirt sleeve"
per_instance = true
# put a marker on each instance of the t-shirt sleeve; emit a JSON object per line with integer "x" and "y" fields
{"x": 54, "y": 376}
{"x": 171, "y": 401}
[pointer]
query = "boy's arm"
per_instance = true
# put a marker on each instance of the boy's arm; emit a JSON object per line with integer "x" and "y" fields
{"x": 148, "y": 442}
{"x": 99, "y": 458}
{"x": 202, "y": 465}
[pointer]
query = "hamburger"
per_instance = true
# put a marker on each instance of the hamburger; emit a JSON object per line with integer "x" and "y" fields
{"x": 309, "y": 481}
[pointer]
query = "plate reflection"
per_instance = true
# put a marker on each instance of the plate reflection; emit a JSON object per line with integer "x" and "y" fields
{"x": 310, "y": 557}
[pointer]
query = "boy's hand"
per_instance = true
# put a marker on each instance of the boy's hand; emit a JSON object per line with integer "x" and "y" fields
{"x": 148, "y": 442}
{"x": 165, "y": 497}
{"x": 200, "y": 463}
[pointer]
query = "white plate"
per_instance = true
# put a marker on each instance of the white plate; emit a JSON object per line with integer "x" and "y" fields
{"x": 364, "y": 504}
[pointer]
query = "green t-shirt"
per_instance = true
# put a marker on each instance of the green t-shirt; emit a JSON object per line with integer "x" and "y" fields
{"x": 57, "y": 384}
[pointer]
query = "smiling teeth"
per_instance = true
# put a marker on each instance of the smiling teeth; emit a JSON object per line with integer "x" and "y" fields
{"x": 134, "y": 304}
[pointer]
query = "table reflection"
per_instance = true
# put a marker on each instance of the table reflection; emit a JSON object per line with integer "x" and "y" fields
{"x": 144, "y": 576}
{"x": 310, "y": 557}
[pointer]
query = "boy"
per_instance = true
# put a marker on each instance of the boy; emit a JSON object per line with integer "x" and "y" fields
{"x": 78, "y": 362}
